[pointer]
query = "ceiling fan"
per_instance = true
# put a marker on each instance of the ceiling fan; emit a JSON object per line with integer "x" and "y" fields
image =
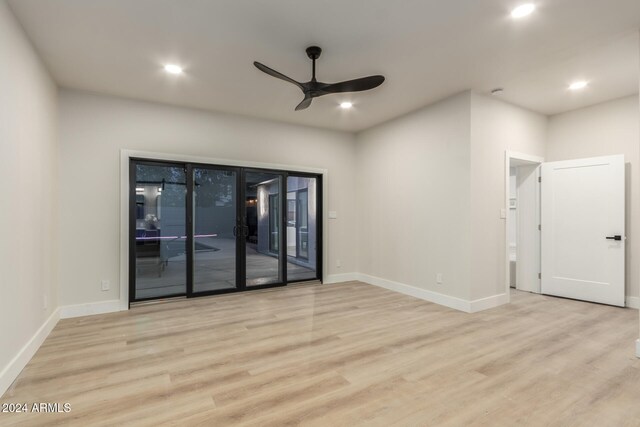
{"x": 313, "y": 88}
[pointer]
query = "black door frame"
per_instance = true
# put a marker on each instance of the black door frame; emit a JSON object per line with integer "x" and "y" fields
{"x": 133, "y": 218}
{"x": 190, "y": 233}
{"x": 240, "y": 224}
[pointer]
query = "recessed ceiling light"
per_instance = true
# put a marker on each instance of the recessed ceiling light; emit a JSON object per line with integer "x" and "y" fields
{"x": 173, "y": 69}
{"x": 523, "y": 10}
{"x": 578, "y": 85}
{"x": 346, "y": 105}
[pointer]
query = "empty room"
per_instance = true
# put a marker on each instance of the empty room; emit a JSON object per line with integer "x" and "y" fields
{"x": 414, "y": 213}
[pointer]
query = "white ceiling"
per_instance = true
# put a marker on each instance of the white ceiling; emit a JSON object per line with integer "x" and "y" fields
{"x": 427, "y": 49}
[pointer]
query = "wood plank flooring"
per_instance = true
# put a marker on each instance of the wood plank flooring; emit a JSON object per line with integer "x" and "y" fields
{"x": 333, "y": 355}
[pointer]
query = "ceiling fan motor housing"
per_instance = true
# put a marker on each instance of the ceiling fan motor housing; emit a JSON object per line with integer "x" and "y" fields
{"x": 314, "y": 52}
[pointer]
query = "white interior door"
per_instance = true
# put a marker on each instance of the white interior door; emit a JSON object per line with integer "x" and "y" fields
{"x": 583, "y": 233}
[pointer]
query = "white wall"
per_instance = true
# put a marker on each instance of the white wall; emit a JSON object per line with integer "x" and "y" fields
{"x": 495, "y": 127}
{"x": 608, "y": 128}
{"x": 430, "y": 190}
{"x": 93, "y": 130}
{"x": 28, "y": 157}
{"x": 413, "y": 198}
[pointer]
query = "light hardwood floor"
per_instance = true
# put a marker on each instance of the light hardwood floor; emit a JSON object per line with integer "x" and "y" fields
{"x": 332, "y": 355}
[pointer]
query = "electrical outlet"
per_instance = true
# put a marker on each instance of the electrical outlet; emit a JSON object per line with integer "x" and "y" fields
{"x": 439, "y": 278}
{"x": 338, "y": 263}
{"x": 105, "y": 284}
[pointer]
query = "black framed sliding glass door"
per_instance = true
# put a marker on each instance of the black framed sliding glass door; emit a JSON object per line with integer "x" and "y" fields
{"x": 158, "y": 243}
{"x": 263, "y": 255}
{"x": 200, "y": 229}
{"x": 214, "y": 243}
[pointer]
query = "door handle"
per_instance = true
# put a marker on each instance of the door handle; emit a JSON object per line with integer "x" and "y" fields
{"x": 616, "y": 237}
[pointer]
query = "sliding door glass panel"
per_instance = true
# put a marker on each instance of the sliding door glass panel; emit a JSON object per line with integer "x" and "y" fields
{"x": 160, "y": 249}
{"x": 214, "y": 229}
{"x": 301, "y": 228}
{"x": 262, "y": 230}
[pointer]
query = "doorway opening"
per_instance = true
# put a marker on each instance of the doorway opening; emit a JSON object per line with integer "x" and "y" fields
{"x": 522, "y": 222}
{"x": 197, "y": 229}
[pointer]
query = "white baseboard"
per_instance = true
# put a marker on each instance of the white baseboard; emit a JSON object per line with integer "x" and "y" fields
{"x": 338, "y": 278}
{"x": 487, "y": 303}
{"x": 78, "y": 310}
{"x": 632, "y": 302}
{"x": 638, "y": 347}
{"x": 10, "y": 372}
{"x": 435, "y": 297}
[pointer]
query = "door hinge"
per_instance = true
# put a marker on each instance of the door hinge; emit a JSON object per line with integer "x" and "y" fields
{"x": 540, "y": 227}
{"x": 539, "y": 275}
{"x": 539, "y": 179}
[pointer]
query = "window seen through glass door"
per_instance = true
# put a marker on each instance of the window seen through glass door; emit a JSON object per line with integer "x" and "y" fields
{"x": 301, "y": 228}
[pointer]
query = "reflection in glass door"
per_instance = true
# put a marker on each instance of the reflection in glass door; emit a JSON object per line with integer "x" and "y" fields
{"x": 261, "y": 231}
{"x": 214, "y": 244}
{"x": 159, "y": 247}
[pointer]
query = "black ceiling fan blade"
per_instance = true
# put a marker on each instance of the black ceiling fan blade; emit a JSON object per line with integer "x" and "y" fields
{"x": 275, "y": 73}
{"x": 357, "y": 85}
{"x": 305, "y": 103}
